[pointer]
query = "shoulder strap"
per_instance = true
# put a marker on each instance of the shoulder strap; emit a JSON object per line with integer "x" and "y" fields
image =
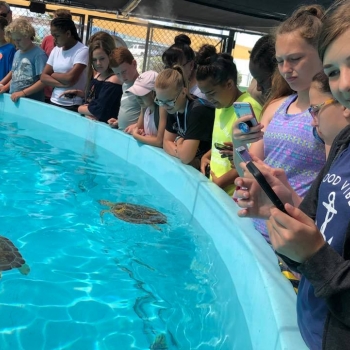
{"x": 156, "y": 116}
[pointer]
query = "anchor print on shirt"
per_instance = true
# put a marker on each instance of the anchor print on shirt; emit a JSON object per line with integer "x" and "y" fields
{"x": 331, "y": 211}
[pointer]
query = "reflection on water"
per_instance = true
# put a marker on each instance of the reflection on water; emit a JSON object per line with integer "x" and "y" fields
{"x": 93, "y": 285}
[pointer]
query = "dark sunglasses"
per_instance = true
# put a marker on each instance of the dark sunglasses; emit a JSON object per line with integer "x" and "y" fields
{"x": 4, "y": 14}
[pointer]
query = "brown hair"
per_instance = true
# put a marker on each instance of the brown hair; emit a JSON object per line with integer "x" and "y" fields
{"x": 62, "y": 13}
{"x": 107, "y": 47}
{"x": 335, "y": 24}
{"x": 119, "y": 56}
{"x": 172, "y": 77}
{"x": 279, "y": 88}
{"x": 322, "y": 82}
{"x": 104, "y": 37}
{"x": 307, "y": 20}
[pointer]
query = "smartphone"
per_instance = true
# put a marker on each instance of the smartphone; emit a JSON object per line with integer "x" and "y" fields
{"x": 222, "y": 147}
{"x": 243, "y": 154}
{"x": 245, "y": 108}
{"x": 259, "y": 177}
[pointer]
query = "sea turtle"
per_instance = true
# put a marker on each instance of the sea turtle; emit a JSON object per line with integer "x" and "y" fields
{"x": 11, "y": 258}
{"x": 137, "y": 214}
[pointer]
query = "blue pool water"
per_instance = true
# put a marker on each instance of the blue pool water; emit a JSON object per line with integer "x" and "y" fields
{"x": 110, "y": 285}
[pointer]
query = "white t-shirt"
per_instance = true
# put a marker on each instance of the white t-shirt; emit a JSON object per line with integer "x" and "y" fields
{"x": 148, "y": 123}
{"x": 62, "y": 61}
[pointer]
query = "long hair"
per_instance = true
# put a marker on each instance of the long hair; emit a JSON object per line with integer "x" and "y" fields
{"x": 107, "y": 46}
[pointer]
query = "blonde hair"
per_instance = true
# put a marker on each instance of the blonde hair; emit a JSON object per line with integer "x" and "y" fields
{"x": 21, "y": 26}
{"x": 172, "y": 78}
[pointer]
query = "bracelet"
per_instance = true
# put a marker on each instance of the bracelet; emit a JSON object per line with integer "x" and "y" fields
{"x": 24, "y": 93}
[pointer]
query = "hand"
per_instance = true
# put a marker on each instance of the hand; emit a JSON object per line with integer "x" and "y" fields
{"x": 113, "y": 123}
{"x": 295, "y": 236}
{"x": 255, "y": 134}
{"x": 137, "y": 131}
{"x": 228, "y": 152}
{"x": 129, "y": 129}
{"x": 251, "y": 197}
{"x": 17, "y": 95}
{"x": 67, "y": 92}
{"x": 205, "y": 161}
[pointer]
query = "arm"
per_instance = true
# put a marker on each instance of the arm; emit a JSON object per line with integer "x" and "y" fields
{"x": 226, "y": 179}
{"x": 157, "y": 140}
{"x": 6, "y": 79}
{"x": 168, "y": 143}
{"x": 71, "y": 77}
{"x": 186, "y": 149}
{"x": 205, "y": 161}
{"x": 47, "y": 79}
{"x": 38, "y": 86}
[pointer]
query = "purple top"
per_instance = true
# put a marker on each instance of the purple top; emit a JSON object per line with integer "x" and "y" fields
{"x": 290, "y": 145}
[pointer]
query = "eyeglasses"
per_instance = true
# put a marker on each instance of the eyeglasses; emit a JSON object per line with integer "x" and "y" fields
{"x": 314, "y": 110}
{"x": 168, "y": 103}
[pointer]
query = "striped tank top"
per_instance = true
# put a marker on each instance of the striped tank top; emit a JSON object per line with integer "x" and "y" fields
{"x": 289, "y": 144}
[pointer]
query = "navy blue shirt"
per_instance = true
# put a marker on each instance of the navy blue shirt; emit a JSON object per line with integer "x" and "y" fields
{"x": 104, "y": 99}
{"x": 332, "y": 219}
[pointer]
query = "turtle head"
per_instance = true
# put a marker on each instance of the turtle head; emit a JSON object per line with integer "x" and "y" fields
{"x": 106, "y": 203}
{"x": 24, "y": 269}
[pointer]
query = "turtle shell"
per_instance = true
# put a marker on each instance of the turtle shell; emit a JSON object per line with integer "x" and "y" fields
{"x": 138, "y": 214}
{"x": 10, "y": 257}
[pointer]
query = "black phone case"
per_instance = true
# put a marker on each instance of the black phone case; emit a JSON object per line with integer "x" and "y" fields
{"x": 259, "y": 177}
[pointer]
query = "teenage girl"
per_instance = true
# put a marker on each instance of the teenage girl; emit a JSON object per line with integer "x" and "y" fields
{"x": 103, "y": 93}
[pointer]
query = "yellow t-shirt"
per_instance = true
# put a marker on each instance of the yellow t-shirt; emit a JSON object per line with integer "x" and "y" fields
{"x": 222, "y": 132}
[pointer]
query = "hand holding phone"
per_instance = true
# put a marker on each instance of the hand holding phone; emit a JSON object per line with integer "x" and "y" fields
{"x": 243, "y": 154}
{"x": 222, "y": 147}
{"x": 259, "y": 177}
{"x": 242, "y": 109}
{"x": 70, "y": 95}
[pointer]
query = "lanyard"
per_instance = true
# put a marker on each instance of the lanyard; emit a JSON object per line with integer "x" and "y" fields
{"x": 180, "y": 130}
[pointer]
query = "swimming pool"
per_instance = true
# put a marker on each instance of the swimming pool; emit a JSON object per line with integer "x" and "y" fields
{"x": 263, "y": 314}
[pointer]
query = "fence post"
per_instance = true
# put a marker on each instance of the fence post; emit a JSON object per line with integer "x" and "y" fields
{"x": 88, "y": 28}
{"x": 82, "y": 26}
{"x": 230, "y": 43}
{"x": 149, "y": 25}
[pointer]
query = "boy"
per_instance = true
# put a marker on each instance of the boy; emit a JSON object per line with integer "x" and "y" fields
{"x": 124, "y": 67}
{"x": 28, "y": 63}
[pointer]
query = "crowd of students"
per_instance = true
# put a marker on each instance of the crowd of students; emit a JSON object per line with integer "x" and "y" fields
{"x": 301, "y": 91}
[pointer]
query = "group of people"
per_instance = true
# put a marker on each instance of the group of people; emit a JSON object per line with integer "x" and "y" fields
{"x": 300, "y": 100}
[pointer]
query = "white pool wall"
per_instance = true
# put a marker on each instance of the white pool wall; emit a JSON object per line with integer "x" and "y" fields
{"x": 266, "y": 297}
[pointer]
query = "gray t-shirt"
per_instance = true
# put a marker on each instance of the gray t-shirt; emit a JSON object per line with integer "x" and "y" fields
{"x": 26, "y": 70}
{"x": 129, "y": 108}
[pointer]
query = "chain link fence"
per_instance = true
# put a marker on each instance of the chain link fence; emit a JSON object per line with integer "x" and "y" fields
{"x": 146, "y": 41}
{"x": 41, "y": 22}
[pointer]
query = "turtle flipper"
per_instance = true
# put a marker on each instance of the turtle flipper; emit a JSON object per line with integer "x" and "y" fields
{"x": 156, "y": 227}
{"x": 102, "y": 212}
{"x": 24, "y": 269}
